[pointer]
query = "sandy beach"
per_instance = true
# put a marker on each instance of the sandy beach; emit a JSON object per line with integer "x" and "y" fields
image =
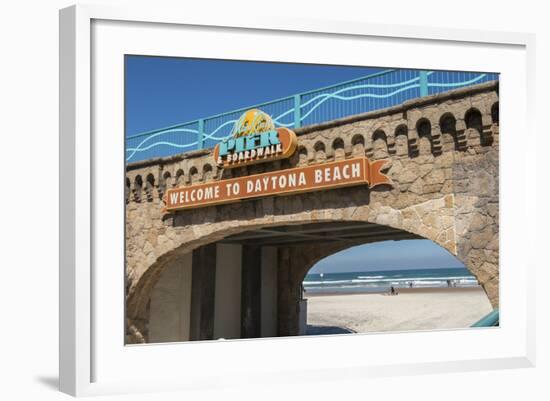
{"x": 412, "y": 309}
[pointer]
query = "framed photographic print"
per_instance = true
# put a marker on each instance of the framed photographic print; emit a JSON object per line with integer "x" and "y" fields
{"x": 237, "y": 196}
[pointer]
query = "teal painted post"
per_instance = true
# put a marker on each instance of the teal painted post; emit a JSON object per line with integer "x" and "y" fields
{"x": 490, "y": 320}
{"x": 423, "y": 83}
{"x": 200, "y": 134}
{"x": 297, "y": 112}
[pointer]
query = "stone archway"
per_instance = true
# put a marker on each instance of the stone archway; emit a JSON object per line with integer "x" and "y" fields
{"x": 436, "y": 219}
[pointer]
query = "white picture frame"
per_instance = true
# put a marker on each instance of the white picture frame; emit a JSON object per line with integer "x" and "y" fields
{"x": 92, "y": 39}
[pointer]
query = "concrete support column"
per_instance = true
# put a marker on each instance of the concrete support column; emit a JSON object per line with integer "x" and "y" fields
{"x": 203, "y": 289}
{"x": 269, "y": 291}
{"x": 227, "y": 316}
{"x": 286, "y": 304}
{"x": 251, "y": 297}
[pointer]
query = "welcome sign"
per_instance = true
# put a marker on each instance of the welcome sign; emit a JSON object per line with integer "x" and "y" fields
{"x": 356, "y": 171}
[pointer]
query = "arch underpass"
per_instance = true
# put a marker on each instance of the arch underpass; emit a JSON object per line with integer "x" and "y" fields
{"x": 442, "y": 153}
{"x": 265, "y": 268}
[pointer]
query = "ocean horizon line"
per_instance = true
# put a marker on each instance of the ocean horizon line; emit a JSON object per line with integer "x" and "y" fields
{"x": 377, "y": 280}
{"x": 390, "y": 270}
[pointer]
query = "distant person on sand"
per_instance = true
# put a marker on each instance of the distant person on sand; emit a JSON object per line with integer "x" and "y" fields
{"x": 392, "y": 290}
{"x": 410, "y": 284}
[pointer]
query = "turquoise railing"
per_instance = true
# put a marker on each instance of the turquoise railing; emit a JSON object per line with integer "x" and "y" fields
{"x": 376, "y": 91}
{"x": 490, "y": 320}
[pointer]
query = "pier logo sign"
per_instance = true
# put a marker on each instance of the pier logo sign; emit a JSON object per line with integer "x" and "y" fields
{"x": 254, "y": 139}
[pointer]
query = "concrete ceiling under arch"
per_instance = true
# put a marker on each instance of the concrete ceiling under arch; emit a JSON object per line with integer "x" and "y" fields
{"x": 306, "y": 234}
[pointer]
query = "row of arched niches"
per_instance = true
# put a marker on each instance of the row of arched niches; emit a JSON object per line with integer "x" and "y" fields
{"x": 431, "y": 130}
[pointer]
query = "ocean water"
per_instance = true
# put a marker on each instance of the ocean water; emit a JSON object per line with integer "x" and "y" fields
{"x": 377, "y": 281}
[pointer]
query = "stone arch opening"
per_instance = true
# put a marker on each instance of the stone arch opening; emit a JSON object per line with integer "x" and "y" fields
{"x": 380, "y": 144}
{"x": 358, "y": 145}
{"x": 474, "y": 125}
{"x": 127, "y": 189}
{"x": 447, "y": 124}
{"x": 287, "y": 253}
{"x": 138, "y": 186}
{"x": 320, "y": 151}
{"x": 272, "y": 244}
{"x": 401, "y": 140}
{"x": 302, "y": 155}
{"x": 165, "y": 182}
{"x": 179, "y": 177}
{"x": 424, "y": 129}
{"x": 473, "y": 119}
{"x": 495, "y": 113}
{"x": 150, "y": 187}
{"x": 193, "y": 175}
{"x": 417, "y": 221}
{"x": 207, "y": 172}
{"x": 338, "y": 148}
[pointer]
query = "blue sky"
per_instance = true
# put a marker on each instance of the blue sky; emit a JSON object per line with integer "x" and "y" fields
{"x": 388, "y": 255}
{"x": 163, "y": 91}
